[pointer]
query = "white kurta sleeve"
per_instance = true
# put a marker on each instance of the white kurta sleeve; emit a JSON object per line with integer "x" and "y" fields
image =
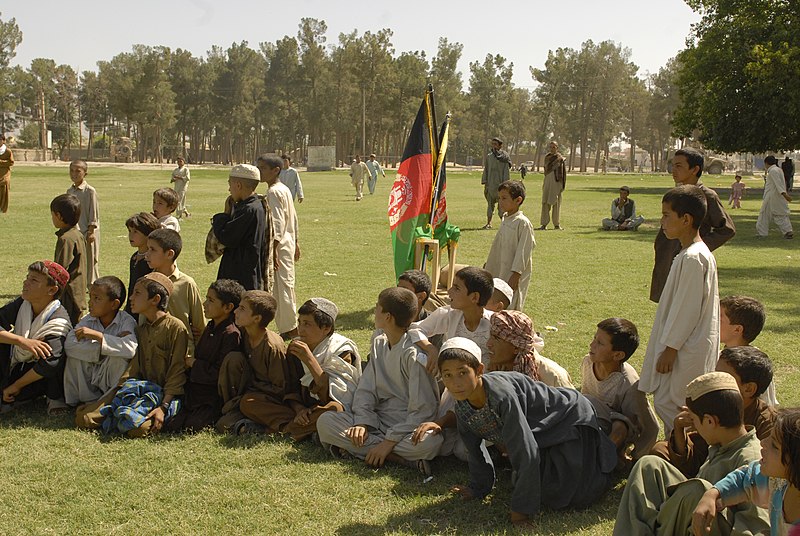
{"x": 122, "y": 346}
{"x": 683, "y": 317}
{"x": 525, "y": 245}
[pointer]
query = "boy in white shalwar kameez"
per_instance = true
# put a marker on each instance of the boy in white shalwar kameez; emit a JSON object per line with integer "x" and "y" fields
{"x": 510, "y": 257}
{"x": 394, "y": 396}
{"x": 101, "y": 346}
{"x": 685, "y": 338}
{"x": 333, "y": 368}
{"x": 286, "y": 249}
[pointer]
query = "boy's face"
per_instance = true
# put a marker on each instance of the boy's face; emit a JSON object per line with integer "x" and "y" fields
{"x": 140, "y": 303}
{"x": 459, "y": 378}
{"x": 681, "y": 172}
{"x": 310, "y": 333}
{"x": 600, "y": 349}
{"x": 728, "y": 333}
{"x": 100, "y": 304}
{"x": 381, "y": 317}
{"x": 724, "y": 366}
{"x": 235, "y": 189}
{"x": 703, "y": 425}
{"x": 245, "y": 318}
{"x": 76, "y": 173}
{"x": 671, "y": 223}
{"x": 420, "y": 295}
{"x": 156, "y": 257}
{"x": 160, "y": 207}
{"x": 213, "y": 306}
{"x": 58, "y": 223}
{"x": 35, "y": 287}
{"x": 507, "y": 203}
{"x": 137, "y": 238}
{"x": 460, "y": 298}
{"x": 501, "y": 353}
{"x": 771, "y": 463}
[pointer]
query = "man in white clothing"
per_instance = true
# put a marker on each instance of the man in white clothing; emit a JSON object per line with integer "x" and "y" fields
{"x": 181, "y": 176}
{"x": 374, "y": 169}
{"x": 776, "y": 202}
{"x": 291, "y": 178}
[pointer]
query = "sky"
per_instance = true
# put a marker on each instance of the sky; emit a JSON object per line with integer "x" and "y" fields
{"x": 82, "y": 32}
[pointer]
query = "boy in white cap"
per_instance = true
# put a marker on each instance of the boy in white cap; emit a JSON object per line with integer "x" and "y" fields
{"x": 242, "y": 231}
{"x": 658, "y": 499}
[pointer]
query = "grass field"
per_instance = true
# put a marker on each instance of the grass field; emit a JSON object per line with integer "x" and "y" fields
{"x": 57, "y": 480}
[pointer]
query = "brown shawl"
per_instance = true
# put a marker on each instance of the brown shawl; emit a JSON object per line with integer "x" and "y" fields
{"x": 555, "y": 163}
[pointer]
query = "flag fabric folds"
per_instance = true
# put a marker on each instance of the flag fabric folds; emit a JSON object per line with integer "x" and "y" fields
{"x": 417, "y": 206}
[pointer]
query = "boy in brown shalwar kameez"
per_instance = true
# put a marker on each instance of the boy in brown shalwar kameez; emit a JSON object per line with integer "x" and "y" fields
{"x": 260, "y": 388}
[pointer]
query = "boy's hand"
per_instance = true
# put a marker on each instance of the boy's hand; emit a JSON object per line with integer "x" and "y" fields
{"x": 197, "y": 332}
{"x": 513, "y": 280}
{"x": 302, "y": 417}
{"x": 422, "y": 429}
{"x": 683, "y": 420}
{"x": 666, "y": 360}
{"x": 158, "y": 418}
{"x": 464, "y": 491}
{"x": 300, "y": 350}
{"x": 705, "y": 512}
{"x": 377, "y": 454}
{"x": 189, "y": 362}
{"x": 296, "y": 252}
{"x": 90, "y": 236}
{"x": 84, "y": 333}
{"x": 10, "y": 393}
{"x": 38, "y": 348}
{"x": 357, "y": 434}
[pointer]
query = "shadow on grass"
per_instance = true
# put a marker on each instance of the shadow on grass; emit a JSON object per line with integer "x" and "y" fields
{"x": 355, "y": 320}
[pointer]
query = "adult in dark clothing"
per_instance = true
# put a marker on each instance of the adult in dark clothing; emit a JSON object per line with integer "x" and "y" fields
{"x": 788, "y": 173}
{"x": 495, "y": 172}
{"x": 523, "y": 171}
{"x": 242, "y": 231}
{"x": 716, "y": 229}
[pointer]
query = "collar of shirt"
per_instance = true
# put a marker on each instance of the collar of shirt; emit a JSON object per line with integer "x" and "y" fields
{"x": 81, "y": 186}
{"x": 175, "y": 275}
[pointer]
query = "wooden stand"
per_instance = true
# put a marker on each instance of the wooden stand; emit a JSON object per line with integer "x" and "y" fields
{"x": 433, "y": 248}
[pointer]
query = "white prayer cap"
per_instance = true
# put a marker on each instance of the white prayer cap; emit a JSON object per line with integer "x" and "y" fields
{"x": 503, "y": 287}
{"x": 462, "y": 343}
{"x": 326, "y": 306}
{"x": 245, "y": 171}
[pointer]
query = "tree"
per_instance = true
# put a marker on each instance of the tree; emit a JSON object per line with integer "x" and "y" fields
{"x": 737, "y": 76}
{"x": 10, "y": 39}
{"x": 489, "y": 101}
{"x": 93, "y": 99}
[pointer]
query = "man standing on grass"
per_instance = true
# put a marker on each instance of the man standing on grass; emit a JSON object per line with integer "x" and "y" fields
{"x": 6, "y": 161}
{"x": 495, "y": 171}
{"x": 776, "y": 202}
{"x": 358, "y": 171}
{"x": 291, "y": 178}
{"x": 374, "y": 168}
{"x": 716, "y": 229}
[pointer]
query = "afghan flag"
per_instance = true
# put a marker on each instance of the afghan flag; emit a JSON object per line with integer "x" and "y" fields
{"x": 416, "y": 203}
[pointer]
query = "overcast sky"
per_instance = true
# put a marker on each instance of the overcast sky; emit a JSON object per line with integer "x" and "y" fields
{"x": 81, "y": 32}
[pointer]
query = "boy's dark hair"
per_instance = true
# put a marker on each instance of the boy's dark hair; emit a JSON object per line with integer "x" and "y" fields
{"x": 693, "y": 157}
{"x": 725, "y": 404}
{"x": 751, "y": 364}
{"x": 112, "y": 286}
{"x": 144, "y": 222}
{"x": 68, "y": 207}
{"x": 169, "y": 196}
{"x": 322, "y": 320}
{"x": 167, "y": 239}
{"x": 498, "y": 295}
{"x": 623, "y": 333}
{"x": 286, "y": 157}
{"x": 787, "y": 429}
{"x": 79, "y": 162}
{"x": 262, "y": 303}
{"x": 399, "y": 302}
{"x": 419, "y": 280}
{"x": 270, "y": 160}
{"x": 462, "y": 356}
{"x": 746, "y": 312}
{"x": 228, "y": 291}
{"x": 154, "y": 288}
{"x": 477, "y": 280}
{"x": 514, "y": 188}
{"x": 687, "y": 199}
{"x": 40, "y": 268}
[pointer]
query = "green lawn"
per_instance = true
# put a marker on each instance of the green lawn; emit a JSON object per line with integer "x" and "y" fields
{"x": 58, "y": 480}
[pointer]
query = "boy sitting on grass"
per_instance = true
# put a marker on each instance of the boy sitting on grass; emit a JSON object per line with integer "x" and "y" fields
{"x": 611, "y": 384}
{"x": 70, "y": 253}
{"x": 658, "y": 499}
{"x": 202, "y": 405}
{"x": 140, "y": 408}
{"x": 163, "y": 248}
{"x": 165, "y": 201}
{"x": 394, "y": 396}
{"x": 101, "y": 346}
{"x": 752, "y": 369}
{"x": 464, "y": 317}
{"x": 32, "y": 353}
{"x": 331, "y": 364}
{"x": 260, "y": 387}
